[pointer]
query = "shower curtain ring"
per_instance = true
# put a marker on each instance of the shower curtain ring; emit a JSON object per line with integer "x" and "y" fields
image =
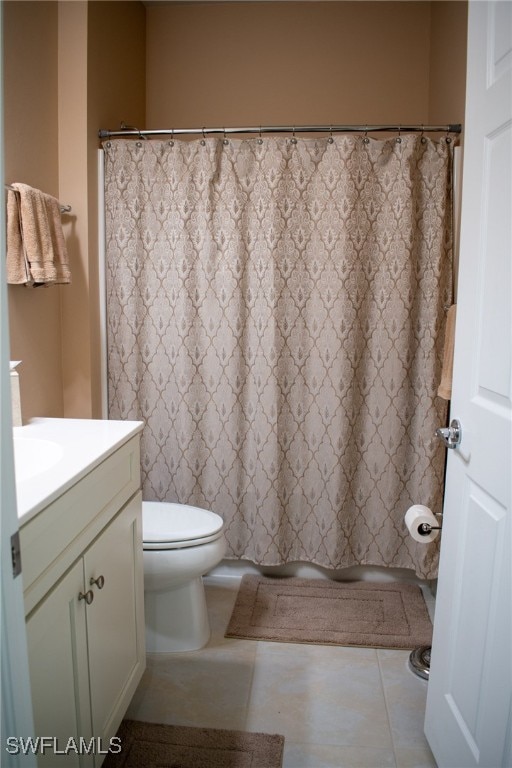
{"x": 330, "y": 139}
{"x": 366, "y": 140}
{"x": 203, "y": 142}
{"x": 399, "y": 138}
{"x": 423, "y": 139}
{"x": 125, "y": 127}
{"x": 260, "y": 140}
{"x": 225, "y": 140}
{"x": 294, "y": 140}
{"x": 171, "y": 143}
{"x": 448, "y": 138}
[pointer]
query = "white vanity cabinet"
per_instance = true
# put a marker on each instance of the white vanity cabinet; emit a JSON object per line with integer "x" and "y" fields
{"x": 83, "y": 587}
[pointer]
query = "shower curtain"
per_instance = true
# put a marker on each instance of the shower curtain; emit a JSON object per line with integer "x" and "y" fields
{"x": 276, "y": 310}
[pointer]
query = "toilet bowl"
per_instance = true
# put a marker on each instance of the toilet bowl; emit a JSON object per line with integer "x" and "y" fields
{"x": 181, "y": 543}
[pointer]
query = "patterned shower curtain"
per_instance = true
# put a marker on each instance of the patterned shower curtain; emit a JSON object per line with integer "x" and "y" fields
{"x": 276, "y": 313}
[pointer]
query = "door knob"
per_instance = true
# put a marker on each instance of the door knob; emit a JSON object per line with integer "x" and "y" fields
{"x": 452, "y": 435}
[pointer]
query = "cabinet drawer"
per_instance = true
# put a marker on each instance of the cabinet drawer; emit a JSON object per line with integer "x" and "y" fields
{"x": 53, "y": 539}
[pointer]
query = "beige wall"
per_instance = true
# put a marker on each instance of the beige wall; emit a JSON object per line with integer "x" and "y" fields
{"x": 70, "y": 68}
{"x": 87, "y": 65}
{"x": 448, "y": 44}
{"x": 447, "y": 99}
{"x": 116, "y": 91}
{"x": 287, "y": 62}
{"x": 31, "y": 156}
{"x": 77, "y": 298}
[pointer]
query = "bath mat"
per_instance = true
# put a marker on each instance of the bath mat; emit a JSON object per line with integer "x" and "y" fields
{"x": 320, "y": 611}
{"x": 148, "y": 745}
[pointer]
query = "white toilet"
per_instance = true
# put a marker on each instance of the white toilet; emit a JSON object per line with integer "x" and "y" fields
{"x": 181, "y": 543}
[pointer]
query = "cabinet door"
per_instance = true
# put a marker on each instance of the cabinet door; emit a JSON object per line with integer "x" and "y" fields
{"x": 57, "y": 650}
{"x": 115, "y": 619}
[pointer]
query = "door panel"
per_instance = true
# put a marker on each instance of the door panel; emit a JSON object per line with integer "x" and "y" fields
{"x": 57, "y": 649}
{"x": 115, "y": 628}
{"x": 468, "y": 704}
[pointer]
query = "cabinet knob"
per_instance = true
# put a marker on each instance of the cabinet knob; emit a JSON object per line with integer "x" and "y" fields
{"x": 87, "y": 596}
{"x": 100, "y": 581}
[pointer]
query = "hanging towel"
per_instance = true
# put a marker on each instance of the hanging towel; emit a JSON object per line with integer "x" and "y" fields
{"x": 445, "y": 386}
{"x": 44, "y": 248}
{"x": 18, "y": 268}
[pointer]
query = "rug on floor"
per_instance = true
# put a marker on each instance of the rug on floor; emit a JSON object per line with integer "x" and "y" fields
{"x": 150, "y": 745}
{"x": 320, "y": 611}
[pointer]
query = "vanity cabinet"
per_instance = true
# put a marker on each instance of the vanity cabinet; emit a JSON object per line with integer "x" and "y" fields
{"x": 85, "y": 634}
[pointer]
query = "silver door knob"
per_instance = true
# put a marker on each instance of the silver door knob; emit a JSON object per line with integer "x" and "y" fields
{"x": 452, "y": 435}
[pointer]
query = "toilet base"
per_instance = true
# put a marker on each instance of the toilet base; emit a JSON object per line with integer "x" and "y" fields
{"x": 177, "y": 619}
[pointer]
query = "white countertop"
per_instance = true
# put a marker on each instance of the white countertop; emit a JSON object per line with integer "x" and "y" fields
{"x": 51, "y": 455}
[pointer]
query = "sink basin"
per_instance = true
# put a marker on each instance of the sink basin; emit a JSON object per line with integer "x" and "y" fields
{"x": 33, "y": 456}
{"x": 52, "y": 455}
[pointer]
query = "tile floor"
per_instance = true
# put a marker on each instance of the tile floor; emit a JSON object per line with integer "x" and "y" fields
{"x": 336, "y": 707}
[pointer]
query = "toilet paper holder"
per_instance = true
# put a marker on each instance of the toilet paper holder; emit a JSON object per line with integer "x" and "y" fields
{"x": 422, "y": 523}
{"x": 425, "y": 528}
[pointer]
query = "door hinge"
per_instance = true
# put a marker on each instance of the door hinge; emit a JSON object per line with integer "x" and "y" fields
{"x": 16, "y": 554}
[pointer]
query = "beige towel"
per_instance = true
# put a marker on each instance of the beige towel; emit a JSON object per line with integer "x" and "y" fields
{"x": 43, "y": 240}
{"x": 18, "y": 268}
{"x": 445, "y": 385}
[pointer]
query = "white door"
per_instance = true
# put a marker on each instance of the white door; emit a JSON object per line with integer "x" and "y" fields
{"x": 468, "y": 719}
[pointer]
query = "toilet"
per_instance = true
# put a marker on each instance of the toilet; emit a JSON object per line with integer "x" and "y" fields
{"x": 181, "y": 543}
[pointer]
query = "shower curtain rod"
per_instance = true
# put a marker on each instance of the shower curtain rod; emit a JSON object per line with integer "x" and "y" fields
{"x": 130, "y": 131}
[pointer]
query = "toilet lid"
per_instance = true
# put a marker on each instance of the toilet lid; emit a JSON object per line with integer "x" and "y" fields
{"x": 178, "y": 524}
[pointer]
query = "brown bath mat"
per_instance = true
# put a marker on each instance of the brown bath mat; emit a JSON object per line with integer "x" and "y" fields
{"x": 148, "y": 745}
{"x": 361, "y": 613}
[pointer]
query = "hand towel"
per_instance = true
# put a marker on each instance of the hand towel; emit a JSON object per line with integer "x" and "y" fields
{"x": 445, "y": 385}
{"x": 18, "y": 268}
{"x": 42, "y": 236}
{"x": 60, "y": 260}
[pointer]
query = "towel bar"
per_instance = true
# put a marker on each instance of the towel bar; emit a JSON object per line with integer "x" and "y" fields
{"x": 63, "y": 208}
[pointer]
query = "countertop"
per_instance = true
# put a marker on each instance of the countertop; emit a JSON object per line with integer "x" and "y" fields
{"x": 51, "y": 455}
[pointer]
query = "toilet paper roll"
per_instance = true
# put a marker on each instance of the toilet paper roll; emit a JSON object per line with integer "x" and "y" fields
{"x": 415, "y": 517}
